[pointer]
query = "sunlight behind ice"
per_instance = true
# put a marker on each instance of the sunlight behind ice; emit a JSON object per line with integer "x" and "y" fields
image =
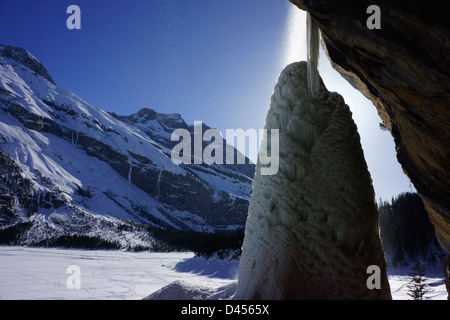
{"x": 294, "y": 48}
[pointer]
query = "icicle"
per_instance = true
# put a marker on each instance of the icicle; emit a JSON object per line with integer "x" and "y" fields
{"x": 159, "y": 182}
{"x": 129, "y": 172}
{"x": 312, "y": 42}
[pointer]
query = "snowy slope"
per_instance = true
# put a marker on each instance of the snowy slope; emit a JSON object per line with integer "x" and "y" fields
{"x": 72, "y": 160}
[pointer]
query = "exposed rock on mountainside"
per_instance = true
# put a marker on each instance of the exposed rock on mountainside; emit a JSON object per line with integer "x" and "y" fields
{"x": 404, "y": 69}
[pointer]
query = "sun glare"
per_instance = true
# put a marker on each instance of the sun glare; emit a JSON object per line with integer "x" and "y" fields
{"x": 294, "y": 48}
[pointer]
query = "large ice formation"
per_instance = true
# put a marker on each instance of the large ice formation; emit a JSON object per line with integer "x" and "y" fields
{"x": 312, "y": 229}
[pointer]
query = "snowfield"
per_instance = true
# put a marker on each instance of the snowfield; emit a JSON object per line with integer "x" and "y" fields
{"x": 41, "y": 274}
{"x": 399, "y": 280}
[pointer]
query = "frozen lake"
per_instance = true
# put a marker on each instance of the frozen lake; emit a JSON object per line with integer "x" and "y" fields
{"x": 41, "y": 273}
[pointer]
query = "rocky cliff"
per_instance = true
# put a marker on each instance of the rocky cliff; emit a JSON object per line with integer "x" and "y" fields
{"x": 404, "y": 69}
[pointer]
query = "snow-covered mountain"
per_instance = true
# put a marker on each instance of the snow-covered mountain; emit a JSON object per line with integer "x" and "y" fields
{"x": 70, "y": 169}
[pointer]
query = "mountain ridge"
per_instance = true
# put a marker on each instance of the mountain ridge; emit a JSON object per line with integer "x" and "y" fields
{"x": 79, "y": 163}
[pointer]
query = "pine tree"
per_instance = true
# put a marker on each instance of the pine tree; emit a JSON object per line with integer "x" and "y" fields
{"x": 418, "y": 285}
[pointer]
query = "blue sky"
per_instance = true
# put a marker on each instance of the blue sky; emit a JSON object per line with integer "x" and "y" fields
{"x": 204, "y": 59}
{"x": 209, "y": 60}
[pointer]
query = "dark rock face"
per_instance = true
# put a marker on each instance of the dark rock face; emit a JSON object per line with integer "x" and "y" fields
{"x": 404, "y": 69}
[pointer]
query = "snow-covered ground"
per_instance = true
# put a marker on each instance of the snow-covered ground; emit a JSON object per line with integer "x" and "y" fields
{"x": 41, "y": 273}
{"x": 399, "y": 279}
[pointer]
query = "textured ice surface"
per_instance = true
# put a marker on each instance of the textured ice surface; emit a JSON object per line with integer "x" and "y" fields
{"x": 312, "y": 229}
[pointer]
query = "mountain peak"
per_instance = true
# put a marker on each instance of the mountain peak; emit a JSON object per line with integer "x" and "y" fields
{"x": 150, "y": 114}
{"x": 169, "y": 121}
{"x": 147, "y": 113}
{"x": 26, "y": 59}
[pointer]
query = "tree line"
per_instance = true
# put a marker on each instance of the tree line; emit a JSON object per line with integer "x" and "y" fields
{"x": 201, "y": 243}
{"x": 406, "y": 232}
